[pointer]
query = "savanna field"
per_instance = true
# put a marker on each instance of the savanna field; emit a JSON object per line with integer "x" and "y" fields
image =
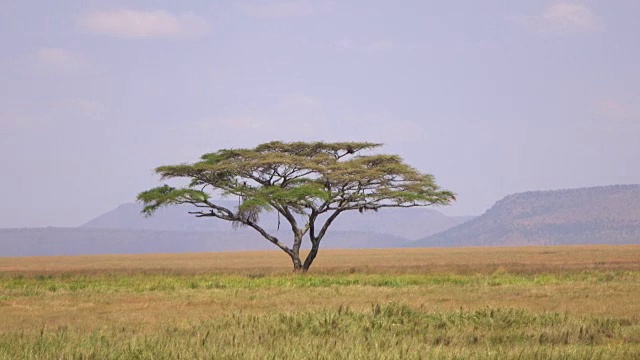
{"x": 575, "y": 302}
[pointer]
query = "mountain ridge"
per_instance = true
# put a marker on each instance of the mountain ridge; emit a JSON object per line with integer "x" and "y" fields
{"x": 595, "y": 215}
{"x": 173, "y": 230}
{"x": 602, "y": 215}
{"x": 84, "y": 241}
{"x": 412, "y": 223}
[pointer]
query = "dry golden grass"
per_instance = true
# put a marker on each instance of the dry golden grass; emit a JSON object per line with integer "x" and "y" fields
{"x": 525, "y": 260}
{"x": 149, "y": 294}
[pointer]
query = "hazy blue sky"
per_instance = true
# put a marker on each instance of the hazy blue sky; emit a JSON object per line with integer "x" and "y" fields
{"x": 493, "y": 96}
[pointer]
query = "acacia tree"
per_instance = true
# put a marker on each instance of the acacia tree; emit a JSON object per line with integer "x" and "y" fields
{"x": 308, "y": 184}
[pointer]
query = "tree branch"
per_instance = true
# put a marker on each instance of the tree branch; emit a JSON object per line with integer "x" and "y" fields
{"x": 269, "y": 237}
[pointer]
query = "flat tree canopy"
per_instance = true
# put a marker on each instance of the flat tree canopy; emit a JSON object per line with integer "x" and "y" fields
{"x": 308, "y": 183}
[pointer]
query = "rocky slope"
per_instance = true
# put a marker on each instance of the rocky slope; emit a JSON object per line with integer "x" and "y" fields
{"x": 598, "y": 215}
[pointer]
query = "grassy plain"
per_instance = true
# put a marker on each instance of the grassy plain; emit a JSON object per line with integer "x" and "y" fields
{"x": 571, "y": 302}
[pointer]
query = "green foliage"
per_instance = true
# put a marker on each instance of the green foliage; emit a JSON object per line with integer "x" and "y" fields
{"x": 166, "y": 195}
{"x": 301, "y": 174}
{"x": 298, "y": 180}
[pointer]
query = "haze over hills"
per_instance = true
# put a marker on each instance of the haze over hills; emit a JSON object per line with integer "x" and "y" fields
{"x": 597, "y": 215}
{"x": 84, "y": 241}
{"x": 173, "y": 230}
{"x": 409, "y": 223}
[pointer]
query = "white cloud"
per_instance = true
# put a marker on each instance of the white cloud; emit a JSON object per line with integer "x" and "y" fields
{"x": 292, "y": 116}
{"x": 299, "y": 103}
{"x": 284, "y": 9}
{"x": 374, "y": 47}
{"x": 58, "y": 57}
{"x": 344, "y": 44}
{"x": 154, "y": 24}
{"x": 303, "y": 117}
{"x": 380, "y": 46}
{"x": 384, "y": 127}
{"x": 84, "y": 107}
{"x": 42, "y": 115}
{"x": 561, "y": 17}
{"x": 613, "y": 109}
{"x": 240, "y": 123}
{"x": 611, "y": 118}
{"x": 21, "y": 120}
{"x": 9, "y": 121}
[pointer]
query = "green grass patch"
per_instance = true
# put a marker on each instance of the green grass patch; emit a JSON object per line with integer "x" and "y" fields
{"x": 141, "y": 283}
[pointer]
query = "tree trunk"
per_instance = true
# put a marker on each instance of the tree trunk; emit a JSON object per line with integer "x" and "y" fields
{"x": 297, "y": 263}
{"x": 315, "y": 245}
{"x": 295, "y": 253}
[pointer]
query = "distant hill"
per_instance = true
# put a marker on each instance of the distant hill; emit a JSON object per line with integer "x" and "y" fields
{"x": 84, "y": 241}
{"x": 597, "y": 215}
{"x": 177, "y": 218}
{"x": 173, "y": 230}
{"x": 411, "y": 223}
